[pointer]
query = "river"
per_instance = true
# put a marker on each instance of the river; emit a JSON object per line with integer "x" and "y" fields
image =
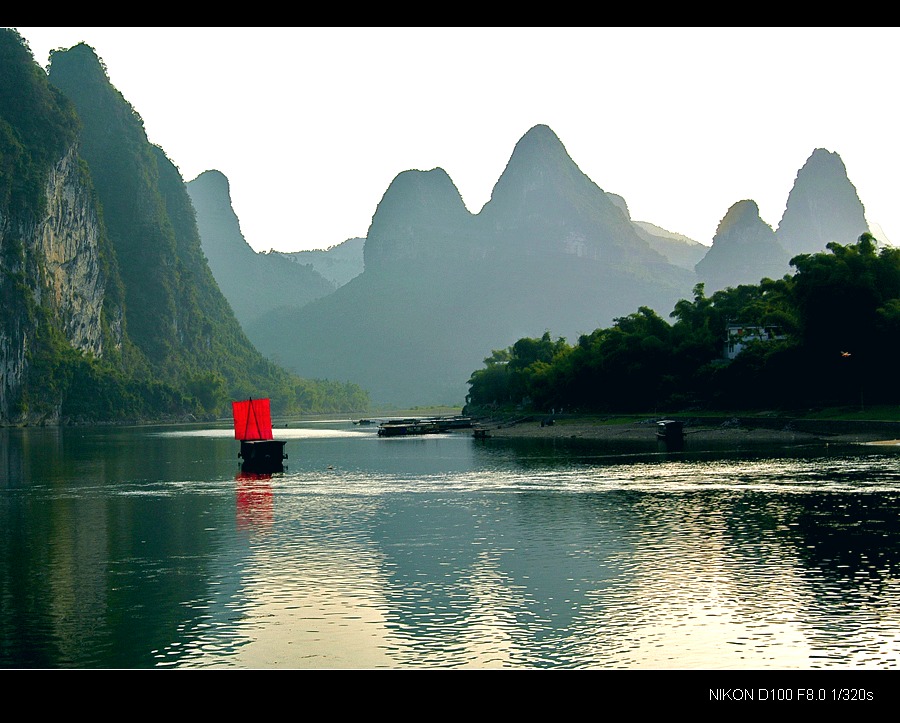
{"x": 147, "y": 547}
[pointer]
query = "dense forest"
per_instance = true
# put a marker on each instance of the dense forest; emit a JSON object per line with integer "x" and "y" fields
{"x": 837, "y": 318}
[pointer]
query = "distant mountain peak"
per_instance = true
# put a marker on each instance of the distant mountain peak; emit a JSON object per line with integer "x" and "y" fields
{"x": 740, "y": 213}
{"x": 744, "y": 250}
{"x": 239, "y": 270}
{"x": 544, "y": 204}
{"x": 825, "y": 158}
{"x": 420, "y": 194}
{"x": 823, "y": 206}
{"x": 216, "y": 189}
{"x": 415, "y": 218}
{"x": 218, "y": 181}
{"x": 539, "y": 137}
{"x": 536, "y": 163}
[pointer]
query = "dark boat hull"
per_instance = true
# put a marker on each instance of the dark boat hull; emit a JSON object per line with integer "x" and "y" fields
{"x": 670, "y": 433}
{"x": 262, "y": 455}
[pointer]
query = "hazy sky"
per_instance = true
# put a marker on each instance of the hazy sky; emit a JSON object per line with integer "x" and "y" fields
{"x": 311, "y": 125}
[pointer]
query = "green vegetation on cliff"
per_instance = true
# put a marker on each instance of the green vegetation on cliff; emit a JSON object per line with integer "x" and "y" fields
{"x": 37, "y": 125}
{"x": 171, "y": 343}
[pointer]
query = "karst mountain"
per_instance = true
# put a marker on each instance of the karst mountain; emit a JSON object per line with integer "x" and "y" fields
{"x": 253, "y": 283}
{"x": 128, "y": 290}
{"x": 823, "y": 206}
{"x": 550, "y": 252}
{"x": 442, "y": 287}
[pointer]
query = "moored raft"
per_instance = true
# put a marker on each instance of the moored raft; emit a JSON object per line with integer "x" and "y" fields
{"x": 428, "y": 425}
{"x": 407, "y": 427}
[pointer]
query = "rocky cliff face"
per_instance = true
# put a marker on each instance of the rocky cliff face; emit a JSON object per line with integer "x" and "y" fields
{"x": 57, "y": 269}
{"x": 69, "y": 238}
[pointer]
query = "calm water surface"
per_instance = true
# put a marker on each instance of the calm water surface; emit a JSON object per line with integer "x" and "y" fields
{"x": 148, "y": 548}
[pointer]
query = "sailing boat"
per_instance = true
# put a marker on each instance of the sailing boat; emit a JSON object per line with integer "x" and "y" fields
{"x": 253, "y": 427}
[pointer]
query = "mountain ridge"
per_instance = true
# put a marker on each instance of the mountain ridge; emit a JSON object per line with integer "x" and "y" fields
{"x": 441, "y": 286}
{"x": 550, "y": 251}
{"x": 239, "y": 270}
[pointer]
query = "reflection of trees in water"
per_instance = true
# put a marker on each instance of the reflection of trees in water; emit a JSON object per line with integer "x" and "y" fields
{"x": 598, "y": 560}
{"x": 103, "y": 547}
{"x": 852, "y": 538}
{"x": 824, "y": 563}
{"x": 550, "y": 453}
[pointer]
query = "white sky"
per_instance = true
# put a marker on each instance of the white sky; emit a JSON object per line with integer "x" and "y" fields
{"x": 311, "y": 125}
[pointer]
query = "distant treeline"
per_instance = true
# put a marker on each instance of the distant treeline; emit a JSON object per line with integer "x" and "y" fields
{"x": 838, "y": 322}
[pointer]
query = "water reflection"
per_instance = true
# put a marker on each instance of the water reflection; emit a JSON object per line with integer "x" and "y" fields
{"x": 254, "y": 499}
{"x": 151, "y": 548}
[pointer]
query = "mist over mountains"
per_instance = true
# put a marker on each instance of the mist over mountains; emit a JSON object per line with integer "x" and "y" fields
{"x": 254, "y": 284}
{"x": 338, "y": 263}
{"x": 442, "y": 287}
{"x": 550, "y": 252}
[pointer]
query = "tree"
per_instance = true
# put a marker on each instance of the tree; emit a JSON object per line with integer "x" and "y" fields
{"x": 844, "y": 300}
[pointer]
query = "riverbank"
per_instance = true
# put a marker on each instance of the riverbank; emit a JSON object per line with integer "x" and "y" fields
{"x": 709, "y": 430}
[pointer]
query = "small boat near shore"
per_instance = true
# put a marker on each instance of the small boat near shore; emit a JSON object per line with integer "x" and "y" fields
{"x": 670, "y": 432}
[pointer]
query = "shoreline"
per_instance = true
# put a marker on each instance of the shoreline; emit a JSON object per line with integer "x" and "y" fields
{"x": 699, "y": 431}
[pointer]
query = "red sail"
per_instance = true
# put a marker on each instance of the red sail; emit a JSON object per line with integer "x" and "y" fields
{"x": 252, "y": 419}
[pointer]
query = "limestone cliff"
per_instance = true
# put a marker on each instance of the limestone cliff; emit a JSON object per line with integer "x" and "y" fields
{"x": 51, "y": 274}
{"x": 110, "y": 309}
{"x": 69, "y": 238}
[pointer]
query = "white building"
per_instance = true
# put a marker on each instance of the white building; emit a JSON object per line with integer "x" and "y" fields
{"x": 737, "y": 336}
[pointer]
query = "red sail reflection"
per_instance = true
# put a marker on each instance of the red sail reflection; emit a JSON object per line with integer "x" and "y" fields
{"x": 254, "y": 499}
